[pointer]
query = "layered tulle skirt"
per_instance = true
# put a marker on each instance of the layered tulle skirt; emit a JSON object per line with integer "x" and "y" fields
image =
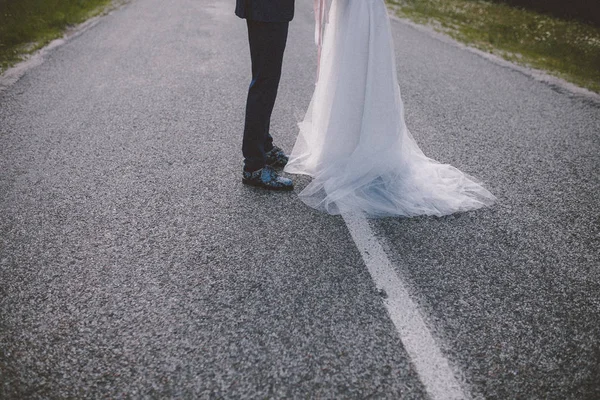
{"x": 354, "y": 142}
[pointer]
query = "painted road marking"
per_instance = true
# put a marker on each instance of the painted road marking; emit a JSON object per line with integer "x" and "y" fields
{"x": 432, "y": 367}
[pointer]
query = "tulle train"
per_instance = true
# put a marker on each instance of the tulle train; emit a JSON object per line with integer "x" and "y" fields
{"x": 354, "y": 141}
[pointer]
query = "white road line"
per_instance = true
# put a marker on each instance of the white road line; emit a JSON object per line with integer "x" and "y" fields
{"x": 431, "y": 365}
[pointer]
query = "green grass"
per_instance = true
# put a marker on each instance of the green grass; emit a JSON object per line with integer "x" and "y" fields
{"x": 567, "y": 49}
{"x": 27, "y": 25}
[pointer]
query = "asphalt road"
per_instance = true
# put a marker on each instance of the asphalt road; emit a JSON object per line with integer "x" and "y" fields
{"x": 134, "y": 263}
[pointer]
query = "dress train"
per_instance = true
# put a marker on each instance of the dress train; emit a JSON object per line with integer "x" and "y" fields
{"x": 354, "y": 142}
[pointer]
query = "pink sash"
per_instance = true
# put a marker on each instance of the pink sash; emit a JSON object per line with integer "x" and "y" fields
{"x": 320, "y": 19}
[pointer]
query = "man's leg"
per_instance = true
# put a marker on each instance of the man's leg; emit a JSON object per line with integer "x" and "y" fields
{"x": 267, "y": 45}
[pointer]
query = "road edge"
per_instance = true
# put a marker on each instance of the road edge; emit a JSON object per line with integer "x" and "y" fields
{"x": 556, "y": 83}
{"x": 13, "y": 74}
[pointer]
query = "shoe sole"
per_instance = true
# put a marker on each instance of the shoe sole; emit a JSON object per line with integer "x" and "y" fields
{"x": 273, "y": 188}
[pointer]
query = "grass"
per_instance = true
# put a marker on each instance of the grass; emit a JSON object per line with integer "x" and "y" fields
{"x": 28, "y": 25}
{"x": 565, "y": 48}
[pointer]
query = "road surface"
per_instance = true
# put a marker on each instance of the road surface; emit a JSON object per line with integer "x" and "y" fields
{"x": 134, "y": 263}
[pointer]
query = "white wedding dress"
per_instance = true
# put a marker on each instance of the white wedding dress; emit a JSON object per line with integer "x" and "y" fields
{"x": 354, "y": 142}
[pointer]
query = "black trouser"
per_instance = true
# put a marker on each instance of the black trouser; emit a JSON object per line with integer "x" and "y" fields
{"x": 267, "y": 44}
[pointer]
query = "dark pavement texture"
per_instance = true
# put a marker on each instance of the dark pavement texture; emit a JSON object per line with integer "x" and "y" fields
{"x": 134, "y": 263}
{"x": 515, "y": 289}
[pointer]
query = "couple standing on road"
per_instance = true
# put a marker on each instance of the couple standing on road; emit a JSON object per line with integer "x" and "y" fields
{"x": 353, "y": 141}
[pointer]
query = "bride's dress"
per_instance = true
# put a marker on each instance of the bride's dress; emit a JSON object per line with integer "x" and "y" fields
{"x": 354, "y": 142}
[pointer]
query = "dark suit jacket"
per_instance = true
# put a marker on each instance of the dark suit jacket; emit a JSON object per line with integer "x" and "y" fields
{"x": 265, "y": 10}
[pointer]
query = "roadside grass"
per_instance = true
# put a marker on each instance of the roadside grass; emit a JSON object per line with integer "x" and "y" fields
{"x": 28, "y": 25}
{"x": 565, "y": 48}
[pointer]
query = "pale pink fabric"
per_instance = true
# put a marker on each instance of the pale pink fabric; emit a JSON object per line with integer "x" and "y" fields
{"x": 354, "y": 141}
{"x": 320, "y": 7}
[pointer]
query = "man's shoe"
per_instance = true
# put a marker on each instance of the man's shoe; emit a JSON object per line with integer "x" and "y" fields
{"x": 276, "y": 158}
{"x": 267, "y": 178}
